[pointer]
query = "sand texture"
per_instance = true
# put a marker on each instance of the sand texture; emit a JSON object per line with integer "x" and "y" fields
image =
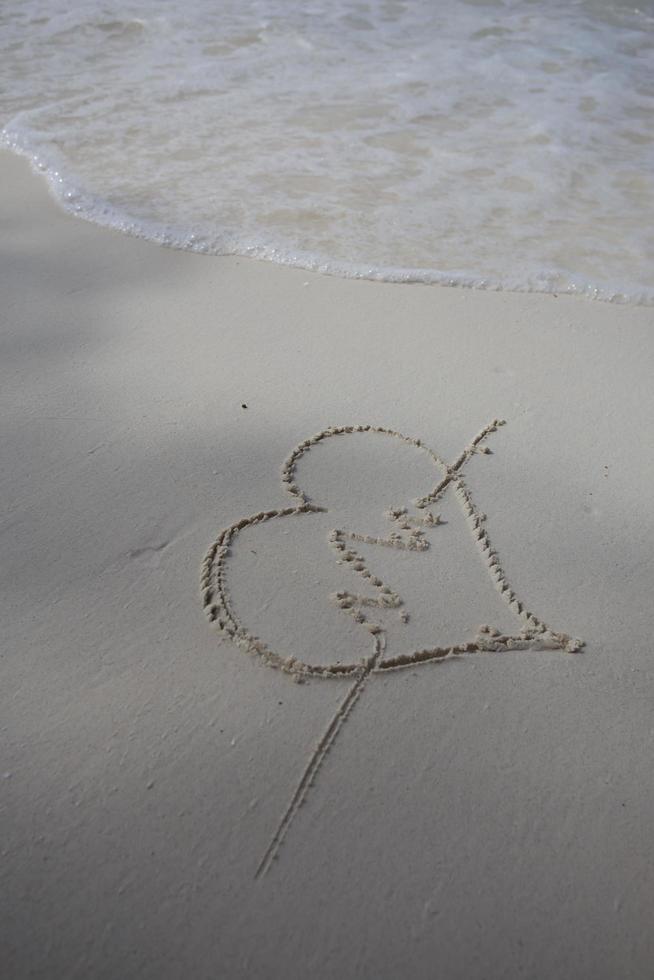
{"x": 327, "y": 630}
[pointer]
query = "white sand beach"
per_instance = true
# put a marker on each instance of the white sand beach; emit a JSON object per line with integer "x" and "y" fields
{"x": 487, "y": 816}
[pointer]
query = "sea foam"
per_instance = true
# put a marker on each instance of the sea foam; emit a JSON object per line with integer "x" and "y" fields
{"x": 474, "y": 142}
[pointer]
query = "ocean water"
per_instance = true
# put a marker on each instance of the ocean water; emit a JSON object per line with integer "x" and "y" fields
{"x": 495, "y": 143}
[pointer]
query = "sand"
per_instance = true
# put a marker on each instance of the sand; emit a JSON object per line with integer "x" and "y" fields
{"x": 480, "y": 815}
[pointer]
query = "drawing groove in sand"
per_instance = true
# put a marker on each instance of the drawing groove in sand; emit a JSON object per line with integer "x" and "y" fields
{"x": 366, "y": 610}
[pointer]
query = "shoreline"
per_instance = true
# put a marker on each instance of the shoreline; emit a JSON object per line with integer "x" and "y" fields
{"x": 84, "y": 206}
{"x": 483, "y": 816}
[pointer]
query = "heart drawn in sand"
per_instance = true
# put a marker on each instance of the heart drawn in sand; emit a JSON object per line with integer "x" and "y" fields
{"x": 375, "y": 606}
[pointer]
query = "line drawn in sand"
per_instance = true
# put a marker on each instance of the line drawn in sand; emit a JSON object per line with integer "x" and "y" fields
{"x": 368, "y": 610}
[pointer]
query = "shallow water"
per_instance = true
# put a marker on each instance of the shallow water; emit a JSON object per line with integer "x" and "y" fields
{"x": 499, "y": 144}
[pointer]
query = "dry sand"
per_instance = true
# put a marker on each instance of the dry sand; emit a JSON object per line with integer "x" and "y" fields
{"x": 486, "y": 816}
